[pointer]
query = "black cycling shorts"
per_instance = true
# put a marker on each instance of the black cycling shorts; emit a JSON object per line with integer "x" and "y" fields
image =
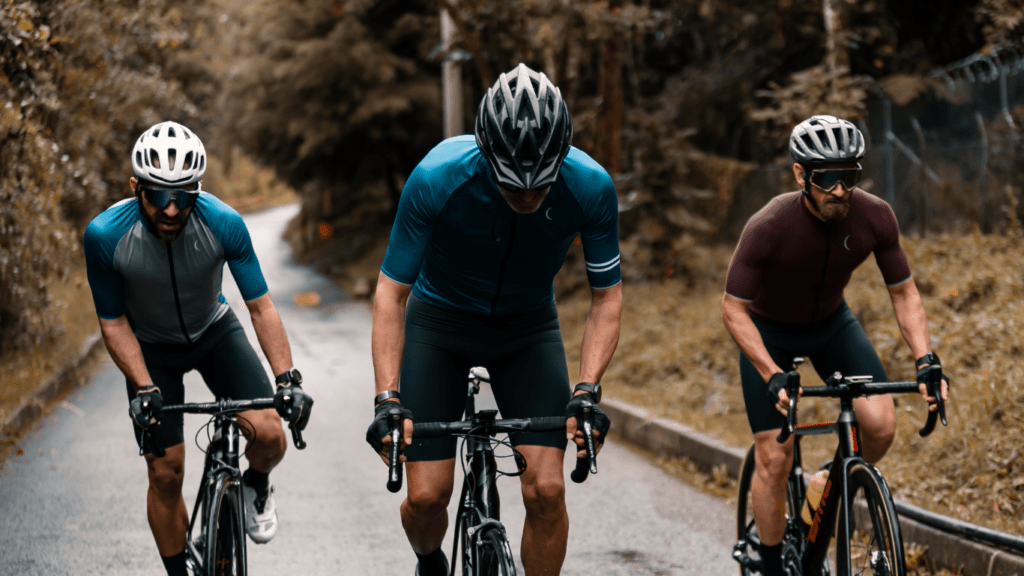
{"x": 523, "y": 353}
{"x": 225, "y": 359}
{"x": 835, "y": 343}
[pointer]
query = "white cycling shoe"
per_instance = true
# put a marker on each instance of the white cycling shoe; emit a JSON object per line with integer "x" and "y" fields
{"x": 260, "y": 521}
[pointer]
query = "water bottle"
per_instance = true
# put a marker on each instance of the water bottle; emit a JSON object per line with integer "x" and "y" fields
{"x": 814, "y": 490}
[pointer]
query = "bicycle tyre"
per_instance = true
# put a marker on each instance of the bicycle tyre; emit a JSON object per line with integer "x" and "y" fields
{"x": 225, "y": 529}
{"x": 494, "y": 554}
{"x": 878, "y": 551}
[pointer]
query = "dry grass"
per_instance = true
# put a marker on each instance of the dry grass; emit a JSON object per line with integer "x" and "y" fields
{"x": 25, "y": 372}
{"x": 675, "y": 357}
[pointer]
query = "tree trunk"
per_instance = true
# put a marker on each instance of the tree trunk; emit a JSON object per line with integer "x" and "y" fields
{"x": 837, "y": 55}
{"x": 609, "y": 139}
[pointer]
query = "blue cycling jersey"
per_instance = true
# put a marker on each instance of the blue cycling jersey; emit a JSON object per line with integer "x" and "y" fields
{"x": 461, "y": 246}
{"x": 170, "y": 291}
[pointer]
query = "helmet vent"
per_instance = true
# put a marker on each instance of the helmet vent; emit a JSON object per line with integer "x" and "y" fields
{"x": 138, "y": 158}
{"x": 154, "y": 158}
{"x": 188, "y": 162}
{"x": 170, "y": 132}
{"x": 171, "y": 156}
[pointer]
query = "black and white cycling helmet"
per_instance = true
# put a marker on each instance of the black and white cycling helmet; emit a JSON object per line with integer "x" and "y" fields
{"x": 824, "y": 139}
{"x": 523, "y": 129}
{"x": 170, "y": 154}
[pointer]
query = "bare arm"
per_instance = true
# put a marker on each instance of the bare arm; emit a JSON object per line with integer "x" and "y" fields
{"x": 388, "y": 338}
{"x": 906, "y": 303}
{"x": 600, "y": 337}
{"x": 270, "y": 333}
{"x": 125, "y": 351}
{"x": 736, "y": 316}
{"x": 910, "y": 315}
{"x": 601, "y": 334}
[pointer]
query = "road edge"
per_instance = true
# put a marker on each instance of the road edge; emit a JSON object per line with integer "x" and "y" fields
{"x": 663, "y": 436}
{"x": 31, "y": 407}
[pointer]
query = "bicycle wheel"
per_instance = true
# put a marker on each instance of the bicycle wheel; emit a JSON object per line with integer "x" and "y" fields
{"x": 225, "y": 530}
{"x": 494, "y": 555}
{"x": 876, "y": 544}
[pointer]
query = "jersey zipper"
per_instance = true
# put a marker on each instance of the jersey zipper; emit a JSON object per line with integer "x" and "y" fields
{"x": 504, "y": 264}
{"x": 177, "y": 299}
{"x": 824, "y": 271}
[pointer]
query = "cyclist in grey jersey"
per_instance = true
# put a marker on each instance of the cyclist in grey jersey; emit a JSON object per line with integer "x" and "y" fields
{"x": 155, "y": 265}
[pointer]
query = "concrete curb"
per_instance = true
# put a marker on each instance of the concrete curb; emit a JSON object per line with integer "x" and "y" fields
{"x": 31, "y": 408}
{"x": 663, "y": 436}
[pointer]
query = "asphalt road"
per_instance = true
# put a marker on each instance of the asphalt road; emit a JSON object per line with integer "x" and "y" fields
{"x": 74, "y": 501}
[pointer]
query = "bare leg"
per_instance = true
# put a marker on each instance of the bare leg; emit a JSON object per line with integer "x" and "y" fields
{"x": 547, "y": 523}
{"x": 425, "y": 508}
{"x": 768, "y": 488}
{"x": 165, "y": 508}
{"x": 877, "y": 417}
{"x": 267, "y": 446}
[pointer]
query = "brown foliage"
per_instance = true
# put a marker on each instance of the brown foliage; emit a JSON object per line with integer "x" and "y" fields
{"x": 78, "y": 82}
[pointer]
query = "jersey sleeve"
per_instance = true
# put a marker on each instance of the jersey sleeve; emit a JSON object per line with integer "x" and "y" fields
{"x": 410, "y": 234}
{"x": 104, "y": 279}
{"x": 600, "y": 235}
{"x": 231, "y": 232}
{"x": 748, "y": 263}
{"x": 889, "y": 254}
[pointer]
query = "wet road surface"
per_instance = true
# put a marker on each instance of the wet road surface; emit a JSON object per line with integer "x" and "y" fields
{"x": 74, "y": 502}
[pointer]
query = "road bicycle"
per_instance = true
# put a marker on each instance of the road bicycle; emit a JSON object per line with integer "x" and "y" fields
{"x": 215, "y": 541}
{"x": 485, "y": 547}
{"x": 869, "y": 540}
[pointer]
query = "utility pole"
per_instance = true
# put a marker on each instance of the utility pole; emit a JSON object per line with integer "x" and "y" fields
{"x": 451, "y": 79}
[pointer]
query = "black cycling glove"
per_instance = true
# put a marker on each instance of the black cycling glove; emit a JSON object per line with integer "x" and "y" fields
{"x": 144, "y": 417}
{"x": 776, "y": 383}
{"x": 379, "y": 428}
{"x": 294, "y": 405}
{"x": 932, "y": 359}
{"x": 600, "y": 420}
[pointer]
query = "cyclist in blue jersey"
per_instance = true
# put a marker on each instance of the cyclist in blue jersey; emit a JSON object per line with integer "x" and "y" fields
{"x": 483, "y": 225}
{"x": 155, "y": 264}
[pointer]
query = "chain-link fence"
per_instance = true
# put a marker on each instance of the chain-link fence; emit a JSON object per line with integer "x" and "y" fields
{"x": 953, "y": 155}
{"x": 951, "y": 158}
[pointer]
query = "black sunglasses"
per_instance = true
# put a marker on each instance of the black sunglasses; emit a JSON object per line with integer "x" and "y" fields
{"x": 827, "y": 180}
{"x": 161, "y": 197}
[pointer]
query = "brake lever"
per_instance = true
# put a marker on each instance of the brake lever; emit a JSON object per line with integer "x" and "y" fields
{"x": 934, "y": 390}
{"x": 147, "y": 434}
{"x": 588, "y": 464}
{"x": 394, "y": 464}
{"x": 792, "y": 390}
{"x": 289, "y": 401}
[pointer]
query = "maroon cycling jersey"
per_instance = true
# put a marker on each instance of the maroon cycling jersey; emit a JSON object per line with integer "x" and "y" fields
{"x": 793, "y": 267}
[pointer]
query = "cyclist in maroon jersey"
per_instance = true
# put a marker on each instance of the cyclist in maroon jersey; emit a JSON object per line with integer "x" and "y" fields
{"x": 784, "y": 298}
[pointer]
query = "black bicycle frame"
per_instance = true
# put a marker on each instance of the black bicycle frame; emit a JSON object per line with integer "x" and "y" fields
{"x": 837, "y": 493}
{"x": 836, "y": 490}
{"x": 222, "y": 454}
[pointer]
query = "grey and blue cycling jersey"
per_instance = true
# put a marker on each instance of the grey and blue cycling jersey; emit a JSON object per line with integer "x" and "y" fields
{"x": 461, "y": 246}
{"x": 169, "y": 291}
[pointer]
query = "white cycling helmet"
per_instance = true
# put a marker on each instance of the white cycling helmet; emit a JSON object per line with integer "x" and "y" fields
{"x": 823, "y": 139}
{"x": 170, "y": 154}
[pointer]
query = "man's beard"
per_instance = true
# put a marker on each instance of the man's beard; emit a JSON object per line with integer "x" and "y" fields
{"x": 154, "y": 225}
{"x": 831, "y": 210}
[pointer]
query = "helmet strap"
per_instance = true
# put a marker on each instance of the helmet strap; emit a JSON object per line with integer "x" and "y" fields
{"x": 807, "y": 182}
